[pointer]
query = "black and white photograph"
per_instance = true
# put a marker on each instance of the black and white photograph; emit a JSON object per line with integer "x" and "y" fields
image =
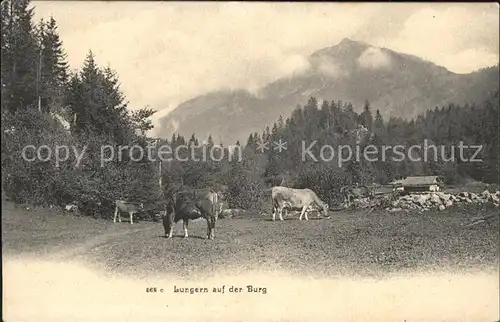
{"x": 250, "y": 161}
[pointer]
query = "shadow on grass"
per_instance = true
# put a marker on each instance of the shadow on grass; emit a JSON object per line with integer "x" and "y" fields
{"x": 277, "y": 220}
{"x": 182, "y": 237}
{"x": 293, "y": 219}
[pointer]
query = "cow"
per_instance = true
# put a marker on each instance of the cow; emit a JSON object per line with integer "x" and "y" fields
{"x": 192, "y": 204}
{"x": 353, "y": 192}
{"x": 125, "y": 206}
{"x": 230, "y": 212}
{"x": 283, "y": 197}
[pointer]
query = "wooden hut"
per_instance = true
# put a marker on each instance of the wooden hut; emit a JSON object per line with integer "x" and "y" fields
{"x": 417, "y": 184}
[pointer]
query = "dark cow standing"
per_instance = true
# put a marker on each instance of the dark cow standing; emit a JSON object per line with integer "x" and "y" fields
{"x": 189, "y": 205}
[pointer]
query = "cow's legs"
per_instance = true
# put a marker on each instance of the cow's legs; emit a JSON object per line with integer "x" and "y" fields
{"x": 166, "y": 226}
{"x": 212, "y": 228}
{"x": 185, "y": 224}
{"x": 304, "y": 212}
{"x": 171, "y": 228}
{"x": 131, "y": 217}
{"x": 281, "y": 214}
{"x": 116, "y": 213}
{"x": 275, "y": 209}
{"x": 169, "y": 223}
{"x": 209, "y": 231}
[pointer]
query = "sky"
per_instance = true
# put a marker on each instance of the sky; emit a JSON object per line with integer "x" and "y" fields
{"x": 169, "y": 52}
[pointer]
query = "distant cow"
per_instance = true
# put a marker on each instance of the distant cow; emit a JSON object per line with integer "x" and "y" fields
{"x": 193, "y": 204}
{"x": 230, "y": 212}
{"x": 125, "y": 206}
{"x": 284, "y": 197}
{"x": 350, "y": 193}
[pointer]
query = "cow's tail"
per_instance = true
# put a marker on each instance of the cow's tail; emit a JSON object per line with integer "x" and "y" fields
{"x": 272, "y": 204}
{"x": 215, "y": 204}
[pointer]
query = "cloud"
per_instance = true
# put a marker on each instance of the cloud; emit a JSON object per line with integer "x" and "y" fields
{"x": 471, "y": 59}
{"x": 443, "y": 35}
{"x": 174, "y": 125}
{"x": 329, "y": 67}
{"x": 374, "y": 58}
{"x": 294, "y": 64}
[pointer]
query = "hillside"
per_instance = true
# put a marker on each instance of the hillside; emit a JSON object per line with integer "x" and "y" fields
{"x": 397, "y": 84}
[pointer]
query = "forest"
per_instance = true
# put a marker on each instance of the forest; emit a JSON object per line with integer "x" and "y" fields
{"x": 39, "y": 89}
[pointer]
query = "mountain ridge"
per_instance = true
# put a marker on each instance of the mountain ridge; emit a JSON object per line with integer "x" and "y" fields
{"x": 399, "y": 85}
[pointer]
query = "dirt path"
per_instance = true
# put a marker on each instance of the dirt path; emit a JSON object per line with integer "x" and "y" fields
{"x": 93, "y": 243}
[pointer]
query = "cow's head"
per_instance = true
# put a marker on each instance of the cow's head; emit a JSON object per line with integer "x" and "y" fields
{"x": 221, "y": 191}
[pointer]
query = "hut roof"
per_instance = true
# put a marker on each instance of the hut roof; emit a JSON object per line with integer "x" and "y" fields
{"x": 417, "y": 181}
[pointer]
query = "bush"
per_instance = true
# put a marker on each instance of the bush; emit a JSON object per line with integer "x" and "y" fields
{"x": 34, "y": 182}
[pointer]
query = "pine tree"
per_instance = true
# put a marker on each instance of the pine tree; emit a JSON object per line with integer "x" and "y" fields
{"x": 281, "y": 123}
{"x": 5, "y": 61}
{"x": 366, "y": 118}
{"x": 325, "y": 115}
{"x": 250, "y": 141}
{"x": 192, "y": 140}
{"x": 311, "y": 106}
{"x": 266, "y": 135}
{"x": 378, "y": 124}
{"x": 140, "y": 120}
{"x": 20, "y": 56}
{"x": 95, "y": 99}
{"x": 53, "y": 69}
{"x": 274, "y": 132}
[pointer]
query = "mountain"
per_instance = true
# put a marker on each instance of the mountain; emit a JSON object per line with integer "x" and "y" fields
{"x": 397, "y": 84}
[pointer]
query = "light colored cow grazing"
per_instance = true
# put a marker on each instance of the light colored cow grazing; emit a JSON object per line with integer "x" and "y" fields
{"x": 125, "y": 206}
{"x": 350, "y": 193}
{"x": 193, "y": 204}
{"x": 284, "y": 197}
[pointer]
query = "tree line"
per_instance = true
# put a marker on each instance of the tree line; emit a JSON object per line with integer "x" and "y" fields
{"x": 38, "y": 89}
{"x": 336, "y": 123}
